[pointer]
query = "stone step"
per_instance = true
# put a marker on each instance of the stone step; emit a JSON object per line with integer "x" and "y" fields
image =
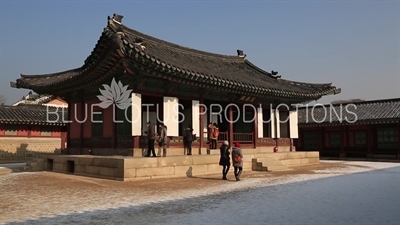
{"x": 32, "y": 163}
{"x": 28, "y": 169}
{"x": 278, "y": 168}
{"x": 268, "y": 164}
{"x": 274, "y": 162}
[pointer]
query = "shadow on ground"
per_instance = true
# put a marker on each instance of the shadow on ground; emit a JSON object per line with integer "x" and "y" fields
{"x": 318, "y": 201}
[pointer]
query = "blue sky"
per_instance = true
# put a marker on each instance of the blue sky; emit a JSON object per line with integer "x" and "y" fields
{"x": 353, "y": 44}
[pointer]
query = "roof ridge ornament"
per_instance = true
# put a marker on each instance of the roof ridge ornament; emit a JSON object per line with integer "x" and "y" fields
{"x": 240, "y": 54}
{"x": 274, "y": 74}
{"x": 117, "y": 18}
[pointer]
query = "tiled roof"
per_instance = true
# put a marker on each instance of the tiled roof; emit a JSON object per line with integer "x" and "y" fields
{"x": 233, "y": 72}
{"x": 33, "y": 115}
{"x": 376, "y": 111}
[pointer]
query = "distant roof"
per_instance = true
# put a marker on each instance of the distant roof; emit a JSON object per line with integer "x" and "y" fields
{"x": 35, "y": 99}
{"x": 33, "y": 115}
{"x": 233, "y": 72}
{"x": 365, "y": 112}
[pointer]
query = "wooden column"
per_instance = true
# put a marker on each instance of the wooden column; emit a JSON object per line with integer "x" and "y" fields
{"x": 347, "y": 135}
{"x": 63, "y": 137}
{"x": 136, "y": 142}
{"x": 276, "y": 129}
{"x": 114, "y": 115}
{"x": 342, "y": 141}
{"x": 323, "y": 143}
{"x": 69, "y": 109}
{"x": 231, "y": 125}
{"x": 82, "y": 113}
{"x": 255, "y": 133}
{"x": 201, "y": 121}
{"x": 29, "y": 131}
{"x": 369, "y": 141}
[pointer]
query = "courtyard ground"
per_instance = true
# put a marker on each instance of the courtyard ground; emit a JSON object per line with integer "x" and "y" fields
{"x": 52, "y": 198}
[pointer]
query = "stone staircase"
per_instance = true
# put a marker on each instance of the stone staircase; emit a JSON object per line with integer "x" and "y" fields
{"x": 37, "y": 164}
{"x": 268, "y": 164}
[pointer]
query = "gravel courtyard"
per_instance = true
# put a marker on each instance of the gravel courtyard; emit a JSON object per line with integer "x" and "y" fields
{"x": 333, "y": 192}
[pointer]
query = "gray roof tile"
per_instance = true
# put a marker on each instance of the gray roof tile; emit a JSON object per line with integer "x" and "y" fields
{"x": 360, "y": 112}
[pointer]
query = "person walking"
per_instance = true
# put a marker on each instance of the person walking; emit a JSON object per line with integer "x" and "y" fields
{"x": 188, "y": 139}
{"x": 150, "y": 138}
{"x": 237, "y": 159}
{"x": 162, "y": 140}
{"x": 224, "y": 159}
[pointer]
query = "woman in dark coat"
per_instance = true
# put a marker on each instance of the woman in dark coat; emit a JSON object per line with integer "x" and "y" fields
{"x": 224, "y": 160}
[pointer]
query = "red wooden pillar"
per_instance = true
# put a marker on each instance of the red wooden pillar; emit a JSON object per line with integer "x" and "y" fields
{"x": 29, "y": 131}
{"x": 255, "y": 136}
{"x": 69, "y": 114}
{"x": 231, "y": 125}
{"x": 63, "y": 137}
{"x": 82, "y": 113}
{"x": 136, "y": 142}
{"x": 201, "y": 121}
{"x": 114, "y": 116}
{"x": 342, "y": 141}
{"x": 369, "y": 141}
{"x": 347, "y": 136}
{"x": 322, "y": 139}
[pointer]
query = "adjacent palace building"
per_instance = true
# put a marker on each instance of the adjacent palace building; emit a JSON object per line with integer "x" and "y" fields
{"x": 174, "y": 85}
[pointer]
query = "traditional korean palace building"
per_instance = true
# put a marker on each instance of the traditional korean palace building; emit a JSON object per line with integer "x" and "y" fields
{"x": 361, "y": 129}
{"x": 26, "y": 131}
{"x": 182, "y": 86}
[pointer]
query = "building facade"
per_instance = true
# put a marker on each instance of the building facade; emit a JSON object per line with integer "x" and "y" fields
{"x": 131, "y": 78}
{"x": 27, "y": 131}
{"x": 362, "y": 129}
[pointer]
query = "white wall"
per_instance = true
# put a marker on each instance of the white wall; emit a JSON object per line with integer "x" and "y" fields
{"x": 260, "y": 124}
{"x": 196, "y": 118}
{"x": 272, "y": 124}
{"x": 136, "y": 117}
{"x": 294, "y": 129}
{"x": 171, "y": 115}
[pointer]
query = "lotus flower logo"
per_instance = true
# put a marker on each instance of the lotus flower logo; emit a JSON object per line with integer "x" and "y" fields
{"x": 115, "y": 94}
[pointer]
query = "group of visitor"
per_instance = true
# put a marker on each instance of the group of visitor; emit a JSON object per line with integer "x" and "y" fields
{"x": 212, "y": 135}
{"x": 162, "y": 140}
{"x": 225, "y": 160}
{"x": 188, "y": 137}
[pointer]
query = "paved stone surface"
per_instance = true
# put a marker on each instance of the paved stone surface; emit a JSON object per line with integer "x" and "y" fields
{"x": 289, "y": 197}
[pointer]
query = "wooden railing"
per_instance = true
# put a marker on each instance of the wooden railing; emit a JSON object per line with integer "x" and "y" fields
{"x": 125, "y": 141}
{"x": 223, "y": 136}
{"x": 243, "y": 137}
{"x": 98, "y": 142}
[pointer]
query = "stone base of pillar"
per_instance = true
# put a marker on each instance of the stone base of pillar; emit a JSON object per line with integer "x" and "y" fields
{"x": 370, "y": 155}
{"x": 342, "y": 155}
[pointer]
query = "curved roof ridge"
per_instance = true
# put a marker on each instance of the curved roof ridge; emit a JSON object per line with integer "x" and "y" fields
{"x": 51, "y": 74}
{"x": 147, "y": 37}
{"x": 289, "y": 81}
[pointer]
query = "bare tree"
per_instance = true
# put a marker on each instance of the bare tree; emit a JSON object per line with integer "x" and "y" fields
{"x": 2, "y": 100}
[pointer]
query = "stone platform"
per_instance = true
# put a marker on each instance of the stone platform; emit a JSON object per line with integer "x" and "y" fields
{"x": 125, "y": 168}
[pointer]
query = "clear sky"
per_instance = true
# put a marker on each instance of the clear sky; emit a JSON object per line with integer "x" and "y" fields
{"x": 353, "y": 44}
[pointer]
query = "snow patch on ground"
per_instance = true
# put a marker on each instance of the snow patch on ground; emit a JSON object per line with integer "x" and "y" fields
{"x": 77, "y": 202}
